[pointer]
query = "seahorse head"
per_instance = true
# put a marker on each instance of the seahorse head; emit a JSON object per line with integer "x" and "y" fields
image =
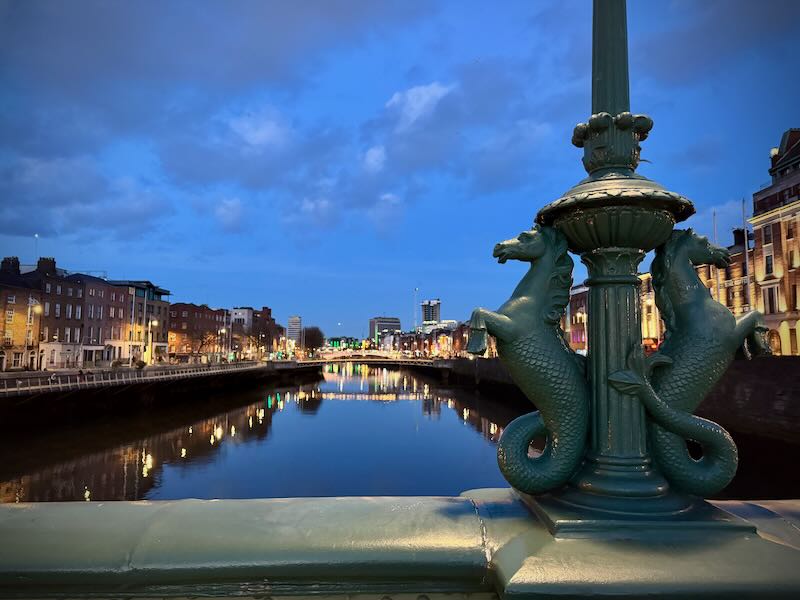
{"x": 544, "y": 247}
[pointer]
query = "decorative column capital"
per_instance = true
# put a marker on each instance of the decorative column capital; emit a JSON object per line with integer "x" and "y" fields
{"x": 613, "y": 265}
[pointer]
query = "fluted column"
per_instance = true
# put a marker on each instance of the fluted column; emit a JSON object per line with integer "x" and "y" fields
{"x": 617, "y": 461}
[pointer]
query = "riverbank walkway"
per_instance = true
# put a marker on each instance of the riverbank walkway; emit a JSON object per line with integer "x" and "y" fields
{"x": 27, "y": 384}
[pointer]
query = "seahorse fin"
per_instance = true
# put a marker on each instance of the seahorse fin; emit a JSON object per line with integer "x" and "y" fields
{"x": 477, "y": 341}
{"x": 656, "y": 360}
{"x": 626, "y": 382}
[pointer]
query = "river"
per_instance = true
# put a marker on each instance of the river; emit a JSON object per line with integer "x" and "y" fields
{"x": 358, "y": 431}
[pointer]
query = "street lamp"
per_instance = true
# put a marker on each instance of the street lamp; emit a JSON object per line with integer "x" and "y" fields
{"x": 220, "y": 343}
{"x": 150, "y": 323}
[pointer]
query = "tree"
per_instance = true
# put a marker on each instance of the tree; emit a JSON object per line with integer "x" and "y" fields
{"x": 313, "y": 337}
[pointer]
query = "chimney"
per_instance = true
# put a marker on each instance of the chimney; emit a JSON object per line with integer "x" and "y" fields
{"x": 46, "y": 266}
{"x": 10, "y": 265}
{"x": 738, "y": 237}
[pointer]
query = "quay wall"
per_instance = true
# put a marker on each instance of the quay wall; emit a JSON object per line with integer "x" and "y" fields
{"x": 759, "y": 397}
{"x": 91, "y": 402}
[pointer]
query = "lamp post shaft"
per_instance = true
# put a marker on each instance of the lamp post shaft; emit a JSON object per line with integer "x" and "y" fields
{"x": 610, "y": 87}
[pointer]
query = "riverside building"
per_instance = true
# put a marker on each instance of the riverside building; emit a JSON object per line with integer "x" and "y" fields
{"x": 776, "y": 218}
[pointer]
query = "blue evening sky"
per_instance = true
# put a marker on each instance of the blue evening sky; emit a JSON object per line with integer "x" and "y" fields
{"x": 325, "y": 158}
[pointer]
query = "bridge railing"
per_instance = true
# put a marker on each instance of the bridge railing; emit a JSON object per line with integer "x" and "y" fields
{"x": 68, "y": 382}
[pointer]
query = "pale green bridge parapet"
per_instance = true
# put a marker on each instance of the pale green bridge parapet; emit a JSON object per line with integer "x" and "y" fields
{"x": 483, "y": 544}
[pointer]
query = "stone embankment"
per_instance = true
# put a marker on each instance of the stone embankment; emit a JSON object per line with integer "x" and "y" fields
{"x": 759, "y": 397}
{"x": 73, "y": 395}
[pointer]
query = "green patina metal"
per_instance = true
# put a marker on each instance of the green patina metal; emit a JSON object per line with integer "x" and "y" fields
{"x": 616, "y": 434}
{"x": 610, "y": 519}
{"x": 530, "y": 341}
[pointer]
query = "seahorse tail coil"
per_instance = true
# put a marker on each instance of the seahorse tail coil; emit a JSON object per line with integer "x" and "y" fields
{"x": 703, "y": 477}
{"x": 535, "y": 475}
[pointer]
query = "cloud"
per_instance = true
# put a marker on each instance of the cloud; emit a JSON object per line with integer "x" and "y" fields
{"x": 700, "y": 38}
{"x": 229, "y": 214}
{"x": 374, "y": 159}
{"x": 70, "y": 196}
{"x": 263, "y": 129}
{"x": 416, "y": 103}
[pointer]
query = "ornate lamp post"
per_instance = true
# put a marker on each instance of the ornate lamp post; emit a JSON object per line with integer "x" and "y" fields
{"x": 605, "y": 418}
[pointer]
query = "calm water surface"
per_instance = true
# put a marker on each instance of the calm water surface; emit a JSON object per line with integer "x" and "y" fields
{"x": 360, "y": 431}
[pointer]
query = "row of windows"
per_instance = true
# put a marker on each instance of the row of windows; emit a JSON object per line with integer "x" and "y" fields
{"x": 185, "y": 314}
{"x": 48, "y": 288}
{"x": 767, "y": 232}
{"x": 113, "y": 311}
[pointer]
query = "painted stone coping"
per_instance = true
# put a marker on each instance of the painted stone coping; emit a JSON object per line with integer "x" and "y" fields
{"x": 478, "y": 545}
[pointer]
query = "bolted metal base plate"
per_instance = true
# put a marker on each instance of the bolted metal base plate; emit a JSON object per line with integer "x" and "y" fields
{"x": 564, "y": 518}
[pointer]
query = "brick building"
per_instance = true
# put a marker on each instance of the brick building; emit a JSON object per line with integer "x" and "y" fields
{"x": 736, "y": 286}
{"x": 21, "y": 303}
{"x": 776, "y": 219}
{"x": 61, "y": 323}
{"x": 197, "y": 332}
{"x": 103, "y": 319}
{"x": 146, "y": 321}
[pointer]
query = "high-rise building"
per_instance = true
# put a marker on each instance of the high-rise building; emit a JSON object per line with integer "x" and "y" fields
{"x": 294, "y": 329}
{"x": 776, "y": 219}
{"x": 380, "y": 325}
{"x": 431, "y": 311}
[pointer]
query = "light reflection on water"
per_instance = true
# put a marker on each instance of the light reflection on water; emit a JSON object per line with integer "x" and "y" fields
{"x": 360, "y": 431}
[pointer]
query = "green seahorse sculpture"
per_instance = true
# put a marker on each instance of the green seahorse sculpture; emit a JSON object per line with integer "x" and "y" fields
{"x": 531, "y": 345}
{"x": 702, "y": 337}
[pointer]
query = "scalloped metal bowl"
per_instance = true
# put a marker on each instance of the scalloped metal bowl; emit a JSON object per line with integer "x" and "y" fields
{"x": 616, "y": 226}
{"x": 616, "y": 209}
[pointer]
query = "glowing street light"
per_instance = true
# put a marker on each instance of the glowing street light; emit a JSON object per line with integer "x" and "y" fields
{"x": 150, "y": 324}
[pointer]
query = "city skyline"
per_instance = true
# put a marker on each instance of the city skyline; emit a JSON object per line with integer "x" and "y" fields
{"x": 343, "y": 154}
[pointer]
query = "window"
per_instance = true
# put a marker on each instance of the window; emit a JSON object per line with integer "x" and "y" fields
{"x": 43, "y": 337}
{"x": 795, "y": 294}
{"x": 58, "y": 290}
{"x": 770, "y": 300}
{"x": 173, "y": 313}
{"x": 101, "y": 293}
{"x": 47, "y": 287}
{"x": 46, "y": 309}
{"x": 80, "y": 293}
{"x": 766, "y": 231}
{"x": 67, "y": 335}
{"x": 113, "y": 296}
{"x": 91, "y": 334}
{"x": 768, "y": 266}
{"x": 55, "y": 334}
{"x": 120, "y": 313}
{"x": 58, "y": 310}
{"x": 184, "y": 313}
{"x": 17, "y": 362}
{"x": 8, "y": 340}
{"x": 69, "y": 311}
{"x": 183, "y": 325}
{"x": 10, "y": 315}
{"x": 77, "y": 311}
{"x": 77, "y": 337}
{"x": 91, "y": 291}
{"x": 69, "y": 292}
{"x": 789, "y": 230}
{"x": 11, "y": 299}
{"x": 91, "y": 311}
{"x": 111, "y": 311}
{"x": 99, "y": 312}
